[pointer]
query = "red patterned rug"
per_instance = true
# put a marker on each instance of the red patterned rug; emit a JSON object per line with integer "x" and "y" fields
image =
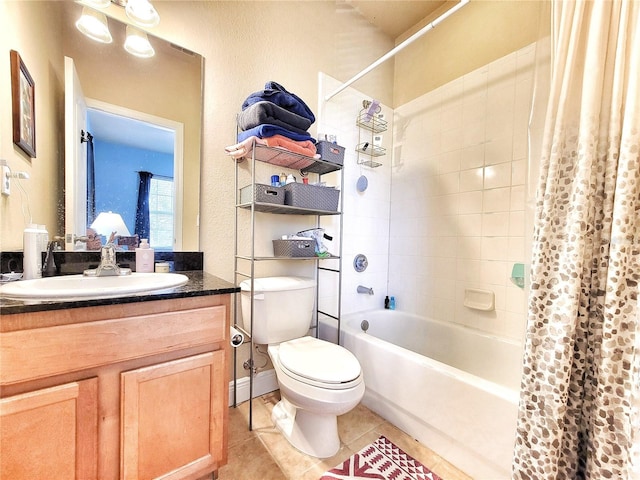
{"x": 382, "y": 460}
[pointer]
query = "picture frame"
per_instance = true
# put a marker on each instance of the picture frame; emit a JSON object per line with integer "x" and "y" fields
{"x": 23, "y": 106}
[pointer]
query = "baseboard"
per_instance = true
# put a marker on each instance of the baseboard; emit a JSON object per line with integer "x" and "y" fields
{"x": 263, "y": 382}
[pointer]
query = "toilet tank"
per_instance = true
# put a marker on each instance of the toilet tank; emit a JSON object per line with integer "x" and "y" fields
{"x": 283, "y": 308}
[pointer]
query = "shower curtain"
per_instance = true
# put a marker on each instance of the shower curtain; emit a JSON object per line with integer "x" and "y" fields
{"x": 580, "y": 398}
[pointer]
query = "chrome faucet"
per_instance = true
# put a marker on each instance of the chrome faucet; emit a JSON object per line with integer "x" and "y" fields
{"x": 362, "y": 289}
{"x": 108, "y": 266}
{"x": 49, "y": 267}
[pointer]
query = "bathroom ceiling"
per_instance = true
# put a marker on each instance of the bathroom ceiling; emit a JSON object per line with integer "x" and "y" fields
{"x": 394, "y": 17}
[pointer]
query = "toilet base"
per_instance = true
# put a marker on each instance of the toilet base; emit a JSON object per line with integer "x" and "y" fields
{"x": 315, "y": 434}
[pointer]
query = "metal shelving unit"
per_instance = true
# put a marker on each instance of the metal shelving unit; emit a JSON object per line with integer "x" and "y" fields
{"x": 366, "y": 147}
{"x": 292, "y": 161}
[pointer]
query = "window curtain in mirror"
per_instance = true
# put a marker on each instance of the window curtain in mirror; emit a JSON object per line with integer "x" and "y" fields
{"x": 580, "y": 396}
{"x": 143, "y": 222}
{"x": 91, "y": 178}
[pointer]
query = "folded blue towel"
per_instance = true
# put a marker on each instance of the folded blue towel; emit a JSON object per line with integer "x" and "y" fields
{"x": 266, "y": 112}
{"x": 267, "y": 130}
{"x": 275, "y": 93}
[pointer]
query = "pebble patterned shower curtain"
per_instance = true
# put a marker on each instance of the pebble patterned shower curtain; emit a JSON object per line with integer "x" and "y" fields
{"x": 580, "y": 398}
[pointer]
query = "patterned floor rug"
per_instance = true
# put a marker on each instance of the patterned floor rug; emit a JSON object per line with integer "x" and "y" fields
{"x": 382, "y": 460}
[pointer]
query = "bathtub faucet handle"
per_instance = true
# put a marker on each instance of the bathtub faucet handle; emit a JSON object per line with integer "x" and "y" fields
{"x": 362, "y": 289}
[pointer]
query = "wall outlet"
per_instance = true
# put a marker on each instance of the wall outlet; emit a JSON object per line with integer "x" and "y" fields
{"x": 5, "y": 179}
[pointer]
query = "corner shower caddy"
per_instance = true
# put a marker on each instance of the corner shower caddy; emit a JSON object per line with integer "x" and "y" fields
{"x": 283, "y": 160}
{"x": 368, "y": 126}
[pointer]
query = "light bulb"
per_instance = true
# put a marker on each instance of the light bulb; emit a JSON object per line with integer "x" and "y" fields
{"x": 137, "y": 43}
{"x": 94, "y": 25}
{"x": 142, "y": 12}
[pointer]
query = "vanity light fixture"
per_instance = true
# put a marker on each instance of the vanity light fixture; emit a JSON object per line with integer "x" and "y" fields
{"x": 94, "y": 25}
{"x": 97, "y": 3}
{"x": 142, "y": 12}
{"x": 137, "y": 43}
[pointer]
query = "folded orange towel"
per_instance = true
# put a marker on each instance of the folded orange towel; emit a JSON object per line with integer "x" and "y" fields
{"x": 303, "y": 147}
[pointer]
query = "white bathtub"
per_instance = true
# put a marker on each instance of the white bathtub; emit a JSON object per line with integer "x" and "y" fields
{"x": 452, "y": 388}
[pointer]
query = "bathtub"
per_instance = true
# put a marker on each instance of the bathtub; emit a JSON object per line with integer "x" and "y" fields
{"x": 452, "y": 388}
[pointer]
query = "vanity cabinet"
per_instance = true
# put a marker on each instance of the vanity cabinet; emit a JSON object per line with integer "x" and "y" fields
{"x": 121, "y": 391}
{"x": 168, "y": 419}
{"x": 51, "y": 432}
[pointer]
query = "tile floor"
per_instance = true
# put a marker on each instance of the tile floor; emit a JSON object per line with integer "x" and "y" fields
{"x": 264, "y": 454}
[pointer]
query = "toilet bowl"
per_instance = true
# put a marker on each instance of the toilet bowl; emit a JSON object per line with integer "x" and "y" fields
{"x": 318, "y": 381}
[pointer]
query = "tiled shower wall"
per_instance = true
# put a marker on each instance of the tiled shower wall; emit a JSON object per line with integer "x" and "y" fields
{"x": 458, "y": 196}
{"x": 365, "y": 214}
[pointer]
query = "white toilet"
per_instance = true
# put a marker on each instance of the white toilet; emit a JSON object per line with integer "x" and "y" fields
{"x": 318, "y": 380}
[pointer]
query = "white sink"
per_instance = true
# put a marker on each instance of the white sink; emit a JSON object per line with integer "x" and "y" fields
{"x": 80, "y": 287}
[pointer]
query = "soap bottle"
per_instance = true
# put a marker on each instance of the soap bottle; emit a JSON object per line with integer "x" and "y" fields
{"x": 144, "y": 257}
{"x": 386, "y": 302}
{"x": 392, "y": 303}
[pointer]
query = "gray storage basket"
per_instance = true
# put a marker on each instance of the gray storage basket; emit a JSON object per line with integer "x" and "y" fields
{"x": 330, "y": 152}
{"x": 294, "y": 248}
{"x": 262, "y": 194}
{"x": 312, "y": 197}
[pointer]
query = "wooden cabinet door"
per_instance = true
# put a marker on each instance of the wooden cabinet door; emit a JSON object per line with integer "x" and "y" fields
{"x": 173, "y": 418}
{"x": 50, "y": 433}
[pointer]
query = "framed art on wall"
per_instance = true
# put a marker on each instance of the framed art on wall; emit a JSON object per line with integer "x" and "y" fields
{"x": 23, "y": 106}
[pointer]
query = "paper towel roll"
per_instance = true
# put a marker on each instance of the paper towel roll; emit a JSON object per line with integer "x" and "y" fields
{"x": 236, "y": 338}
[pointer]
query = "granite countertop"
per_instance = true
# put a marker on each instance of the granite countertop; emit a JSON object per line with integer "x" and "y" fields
{"x": 200, "y": 284}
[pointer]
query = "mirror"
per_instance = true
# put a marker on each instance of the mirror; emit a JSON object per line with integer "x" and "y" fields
{"x": 165, "y": 90}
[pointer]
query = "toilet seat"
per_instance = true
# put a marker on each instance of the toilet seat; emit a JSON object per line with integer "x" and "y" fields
{"x": 319, "y": 363}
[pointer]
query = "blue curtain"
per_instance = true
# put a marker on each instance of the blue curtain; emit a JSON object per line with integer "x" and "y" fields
{"x": 91, "y": 177}
{"x": 143, "y": 223}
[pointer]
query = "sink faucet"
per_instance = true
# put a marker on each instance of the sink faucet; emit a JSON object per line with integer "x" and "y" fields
{"x": 108, "y": 265}
{"x": 49, "y": 268}
{"x": 362, "y": 289}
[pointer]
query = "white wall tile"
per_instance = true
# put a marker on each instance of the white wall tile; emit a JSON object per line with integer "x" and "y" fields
{"x": 458, "y": 192}
{"x": 518, "y": 172}
{"x": 495, "y": 224}
{"x": 496, "y": 200}
{"x": 472, "y": 202}
{"x": 496, "y": 176}
{"x": 471, "y": 180}
{"x": 472, "y": 157}
{"x": 498, "y": 150}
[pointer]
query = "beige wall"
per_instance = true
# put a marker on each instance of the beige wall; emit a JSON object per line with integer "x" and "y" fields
{"x": 33, "y": 29}
{"x": 479, "y": 33}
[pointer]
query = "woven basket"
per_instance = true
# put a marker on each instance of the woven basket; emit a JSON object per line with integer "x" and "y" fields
{"x": 294, "y": 248}
{"x": 262, "y": 194}
{"x": 312, "y": 197}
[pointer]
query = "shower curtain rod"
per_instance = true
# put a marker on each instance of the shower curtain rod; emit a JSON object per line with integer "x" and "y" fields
{"x": 399, "y": 47}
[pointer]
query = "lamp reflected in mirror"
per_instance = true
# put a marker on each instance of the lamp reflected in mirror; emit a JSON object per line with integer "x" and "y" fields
{"x": 109, "y": 223}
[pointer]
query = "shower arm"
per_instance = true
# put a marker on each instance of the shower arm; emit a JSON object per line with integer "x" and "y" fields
{"x": 399, "y": 47}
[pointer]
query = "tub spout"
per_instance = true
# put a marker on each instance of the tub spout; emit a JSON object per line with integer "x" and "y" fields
{"x": 362, "y": 289}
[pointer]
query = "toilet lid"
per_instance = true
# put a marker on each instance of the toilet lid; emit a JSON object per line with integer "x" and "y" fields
{"x": 319, "y": 360}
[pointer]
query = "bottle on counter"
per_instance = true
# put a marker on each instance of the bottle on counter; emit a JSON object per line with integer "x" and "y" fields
{"x": 144, "y": 257}
{"x": 35, "y": 239}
